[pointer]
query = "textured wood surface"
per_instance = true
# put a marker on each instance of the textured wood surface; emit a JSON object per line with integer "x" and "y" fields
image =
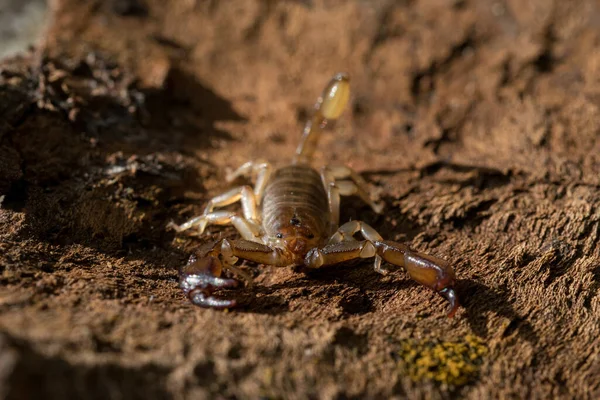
{"x": 475, "y": 121}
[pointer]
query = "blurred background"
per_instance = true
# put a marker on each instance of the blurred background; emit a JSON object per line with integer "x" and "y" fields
{"x": 22, "y": 25}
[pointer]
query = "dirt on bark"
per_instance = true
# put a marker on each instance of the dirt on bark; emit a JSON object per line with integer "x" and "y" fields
{"x": 477, "y": 123}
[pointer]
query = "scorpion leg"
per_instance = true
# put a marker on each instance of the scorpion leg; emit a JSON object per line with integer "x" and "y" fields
{"x": 343, "y": 181}
{"x": 202, "y": 275}
{"x": 346, "y": 233}
{"x": 261, "y": 169}
{"x": 349, "y": 229}
{"x": 247, "y": 228}
{"x": 244, "y": 194}
{"x": 241, "y": 193}
{"x": 429, "y": 271}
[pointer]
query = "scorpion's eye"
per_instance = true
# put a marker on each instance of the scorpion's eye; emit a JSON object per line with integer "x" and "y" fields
{"x": 279, "y": 236}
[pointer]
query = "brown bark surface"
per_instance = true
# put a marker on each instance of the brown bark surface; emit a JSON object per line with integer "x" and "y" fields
{"x": 475, "y": 121}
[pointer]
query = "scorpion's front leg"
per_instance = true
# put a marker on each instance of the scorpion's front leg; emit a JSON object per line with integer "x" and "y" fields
{"x": 261, "y": 169}
{"x": 202, "y": 275}
{"x": 248, "y": 226}
{"x": 430, "y": 271}
{"x": 344, "y": 181}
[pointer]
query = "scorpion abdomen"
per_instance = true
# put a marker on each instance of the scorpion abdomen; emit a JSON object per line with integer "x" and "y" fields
{"x": 295, "y": 196}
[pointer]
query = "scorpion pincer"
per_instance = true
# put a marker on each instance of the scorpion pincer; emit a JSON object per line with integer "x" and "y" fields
{"x": 291, "y": 216}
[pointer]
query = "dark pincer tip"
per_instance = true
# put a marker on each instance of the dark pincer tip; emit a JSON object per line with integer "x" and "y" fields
{"x": 450, "y": 295}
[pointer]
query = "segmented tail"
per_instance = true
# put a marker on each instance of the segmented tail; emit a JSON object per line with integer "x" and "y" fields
{"x": 328, "y": 108}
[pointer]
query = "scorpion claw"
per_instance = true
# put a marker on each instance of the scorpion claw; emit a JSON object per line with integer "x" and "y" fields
{"x": 203, "y": 298}
{"x": 199, "y": 278}
{"x": 207, "y": 281}
{"x": 450, "y": 295}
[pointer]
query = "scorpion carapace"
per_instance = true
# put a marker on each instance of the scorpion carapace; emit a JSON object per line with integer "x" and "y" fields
{"x": 291, "y": 217}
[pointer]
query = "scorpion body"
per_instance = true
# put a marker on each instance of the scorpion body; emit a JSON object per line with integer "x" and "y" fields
{"x": 290, "y": 218}
{"x": 295, "y": 199}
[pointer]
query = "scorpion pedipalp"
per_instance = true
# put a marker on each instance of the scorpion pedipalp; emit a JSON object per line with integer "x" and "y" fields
{"x": 200, "y": 277}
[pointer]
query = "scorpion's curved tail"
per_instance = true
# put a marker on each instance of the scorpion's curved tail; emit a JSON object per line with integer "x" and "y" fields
{"x": 328, "y": 108}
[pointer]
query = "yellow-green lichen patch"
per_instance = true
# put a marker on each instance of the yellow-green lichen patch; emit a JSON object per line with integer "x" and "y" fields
{"x": 449, "y": 363}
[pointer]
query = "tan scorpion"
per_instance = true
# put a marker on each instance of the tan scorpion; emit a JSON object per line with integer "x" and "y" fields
{"x": 291, "y": 218}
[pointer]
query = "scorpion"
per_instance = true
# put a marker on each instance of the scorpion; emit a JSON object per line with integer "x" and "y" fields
{"x": 291, "y": 217}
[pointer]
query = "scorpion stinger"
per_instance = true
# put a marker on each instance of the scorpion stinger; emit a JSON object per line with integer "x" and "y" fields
{"x": 328, "y": 108}
{"x": 291, "y": 217}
